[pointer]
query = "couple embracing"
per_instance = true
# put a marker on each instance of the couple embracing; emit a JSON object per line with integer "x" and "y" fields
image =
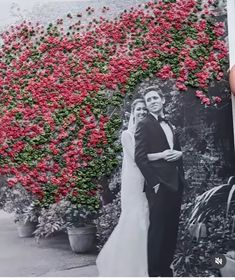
{"x": 144, "y": 240}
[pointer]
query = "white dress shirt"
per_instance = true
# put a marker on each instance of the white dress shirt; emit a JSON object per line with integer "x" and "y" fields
{"x": 167, "y": 130}
{"x": 169, "y": 136}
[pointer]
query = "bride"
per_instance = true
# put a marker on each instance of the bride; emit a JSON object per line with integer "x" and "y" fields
{"x": 125, "y": 252}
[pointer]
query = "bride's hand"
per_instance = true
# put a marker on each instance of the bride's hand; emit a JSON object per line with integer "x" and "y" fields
{"x": 165, "y": 154}
{"x": 174, "y": 155}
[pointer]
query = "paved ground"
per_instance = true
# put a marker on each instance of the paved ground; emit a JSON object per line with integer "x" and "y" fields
{"x": 50, "y": 257}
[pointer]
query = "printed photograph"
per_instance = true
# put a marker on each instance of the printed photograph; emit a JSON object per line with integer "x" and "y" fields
{"x": 116, "y": 139}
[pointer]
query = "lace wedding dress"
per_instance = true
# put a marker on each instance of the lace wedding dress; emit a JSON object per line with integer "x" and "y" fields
{"x": 125, "y": 252}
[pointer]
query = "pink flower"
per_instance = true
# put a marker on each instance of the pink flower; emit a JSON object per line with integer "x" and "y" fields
{"x": 217, "y": 99}
{"x": 206, "y": 101}
{"x": 12, "y": 181}
{"x": 181, "y": 86}
{"x": 200, "y": 94}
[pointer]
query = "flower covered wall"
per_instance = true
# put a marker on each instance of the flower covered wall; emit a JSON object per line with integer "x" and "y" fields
{"x": 61, "y": 88}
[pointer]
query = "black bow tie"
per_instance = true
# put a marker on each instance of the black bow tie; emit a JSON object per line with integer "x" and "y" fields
{"x": 162, "y": 119}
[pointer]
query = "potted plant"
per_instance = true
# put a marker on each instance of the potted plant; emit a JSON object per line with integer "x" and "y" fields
{"x": 24, "y": 206}
{"x": 27, "y": 220}
{"x": 75, "y": 219}
{"x": 51, "y": 220}
{"x": 81, "y": 228}
{"x": 213, "y": 202}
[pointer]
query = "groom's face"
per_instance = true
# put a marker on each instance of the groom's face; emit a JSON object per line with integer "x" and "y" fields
{"x": 154, "y": 102}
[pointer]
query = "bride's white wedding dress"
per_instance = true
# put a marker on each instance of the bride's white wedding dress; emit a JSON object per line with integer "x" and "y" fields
{"x": 125, "y": 252}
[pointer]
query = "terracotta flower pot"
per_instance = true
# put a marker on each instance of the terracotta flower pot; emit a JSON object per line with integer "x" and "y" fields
{"x": 26, "y": 229}
{"x": 82, "y": 239}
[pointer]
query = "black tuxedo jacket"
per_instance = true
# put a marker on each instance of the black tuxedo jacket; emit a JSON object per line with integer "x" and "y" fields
{"x": 150, "y": 138}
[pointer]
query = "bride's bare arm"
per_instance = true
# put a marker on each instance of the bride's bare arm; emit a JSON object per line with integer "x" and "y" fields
{"x": 154, "y": 156}
{"x": 162, "y": 155}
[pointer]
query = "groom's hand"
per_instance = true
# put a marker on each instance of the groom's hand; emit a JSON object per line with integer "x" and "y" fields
{"x": 174, "y": 155}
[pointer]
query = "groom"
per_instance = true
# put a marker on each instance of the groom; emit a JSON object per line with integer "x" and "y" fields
{"x": 158, "y": 156}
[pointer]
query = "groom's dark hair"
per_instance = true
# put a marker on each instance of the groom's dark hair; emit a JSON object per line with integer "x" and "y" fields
{"x": 153, "y": 88}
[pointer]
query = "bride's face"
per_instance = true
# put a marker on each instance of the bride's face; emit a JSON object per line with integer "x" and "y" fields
{"x": 140, "y": 111}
